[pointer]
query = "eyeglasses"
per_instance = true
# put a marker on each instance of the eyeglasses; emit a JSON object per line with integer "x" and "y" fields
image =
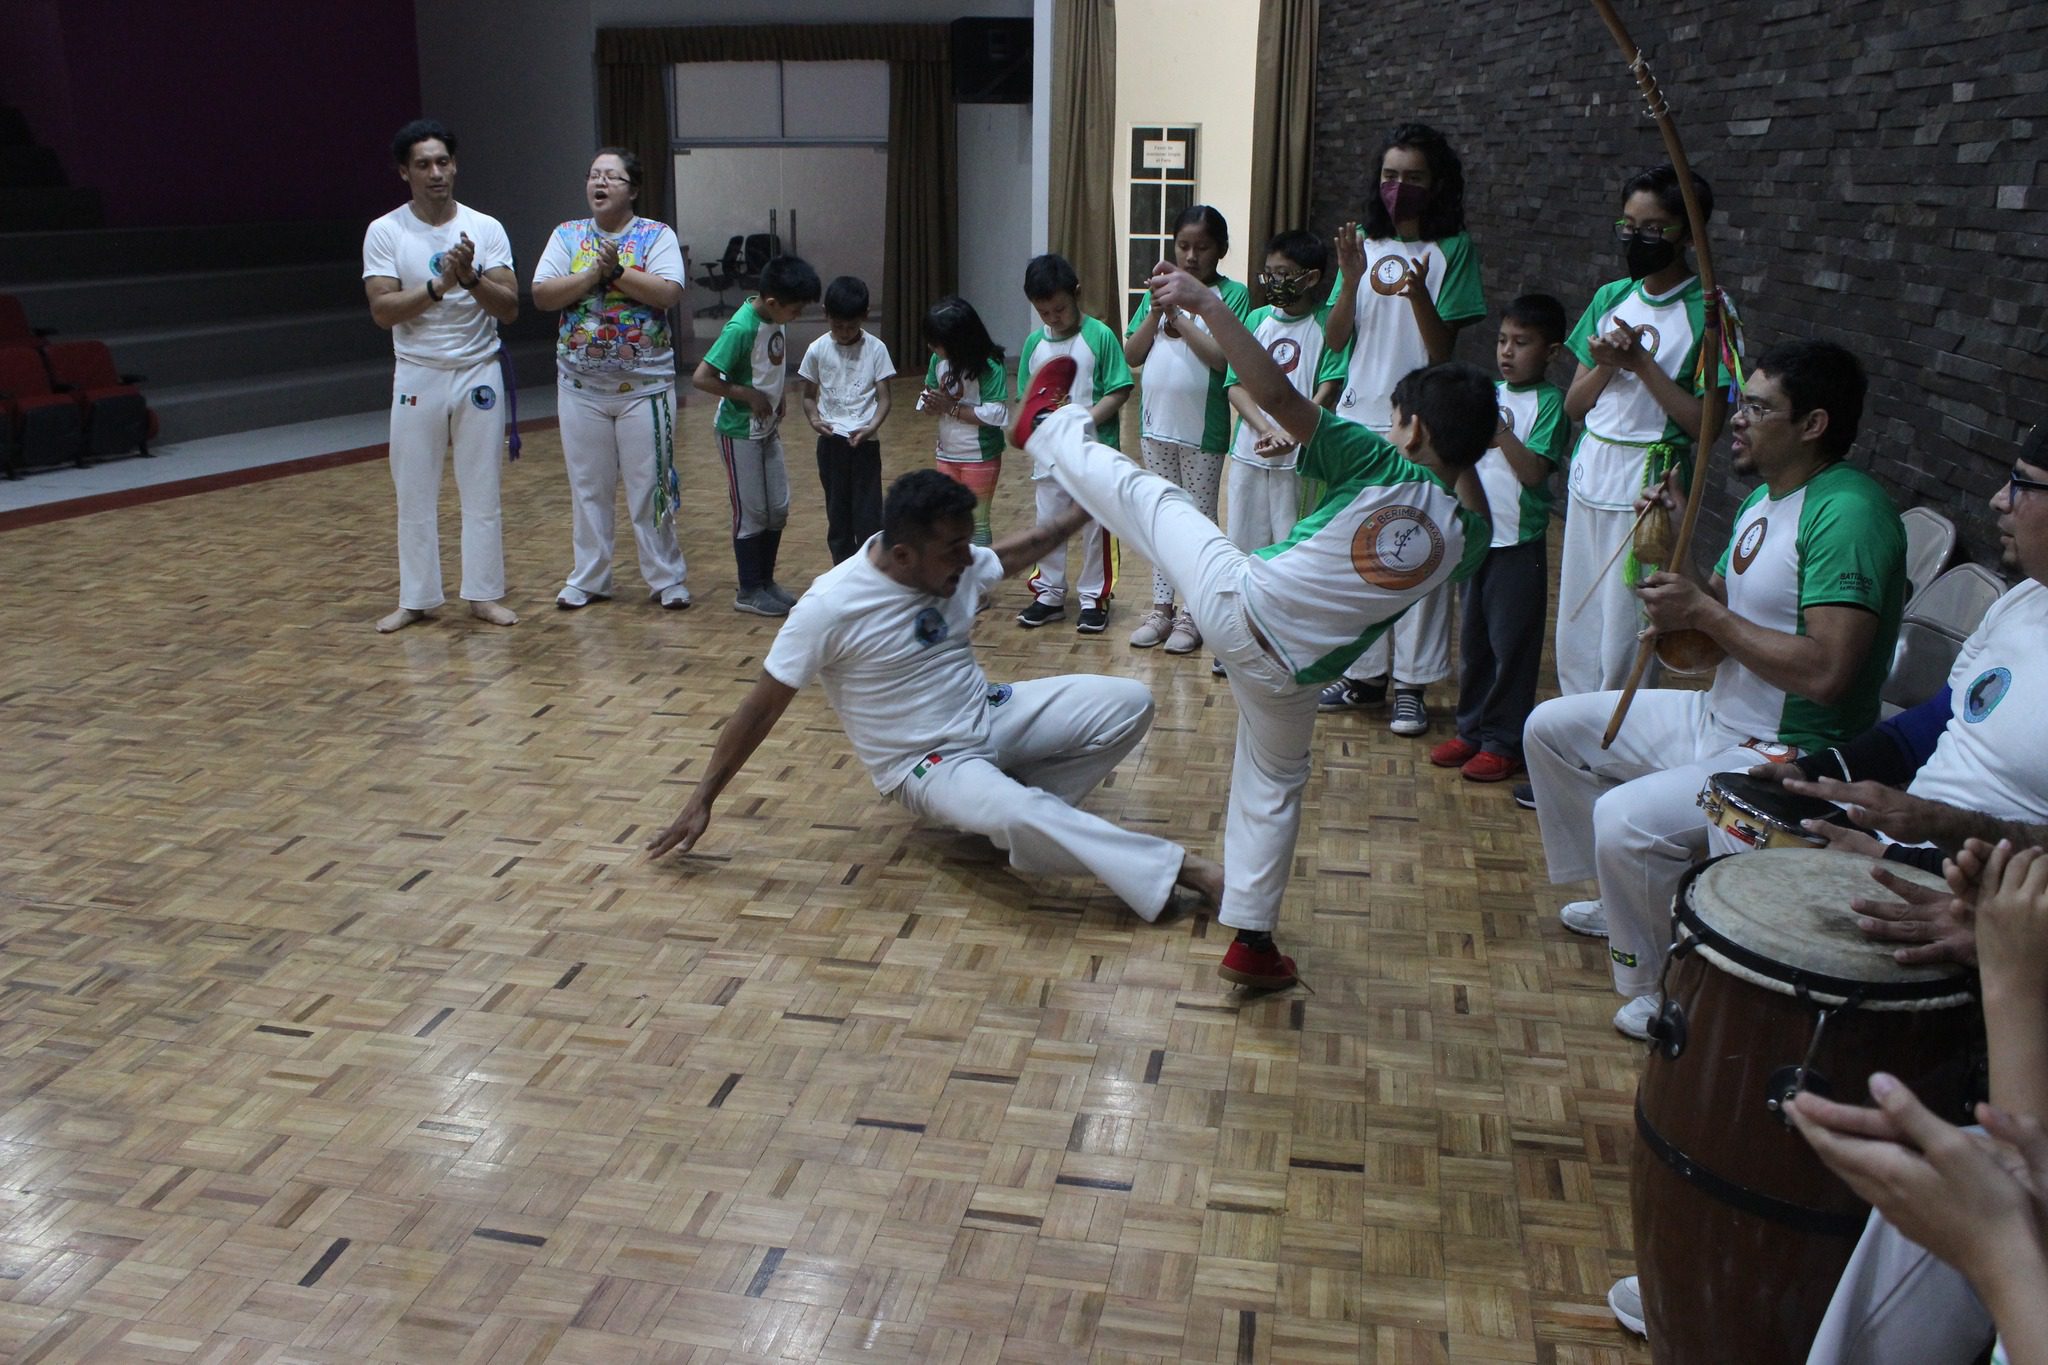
{"x": 1754, "y": 410}
{"x": 608, "y": 178}
{"x": 1269, "y": 278}
{"x": 1625, "y": 231}
{"x": 2017, "y": 483}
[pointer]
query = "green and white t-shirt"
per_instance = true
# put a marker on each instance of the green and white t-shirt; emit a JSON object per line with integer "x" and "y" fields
{"x": 1535, "y": 414}
{"x": 749, "y": 351}
{"x": 1386, "y": 534}
{"x": 1836, "y": 541}
{"x": 1385, "y": 342}
{"x": 1099, "y": 369}
{"x": 1296, "y": 345}
{"x": 1626, "y": 413}
{"x": 970, "y": 442}
{"x": 1182, "y": 398}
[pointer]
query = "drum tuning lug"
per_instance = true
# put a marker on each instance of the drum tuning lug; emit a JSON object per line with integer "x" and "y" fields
{"x": 1788, "y": 1081}
{"x": 1667, "y": 1029}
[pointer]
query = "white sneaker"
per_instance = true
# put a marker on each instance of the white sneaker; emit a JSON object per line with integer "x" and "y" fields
{"x": 1153, "y": 628}
{"x": 1184, "y": 639}
{"x": 1634, "y": 1019}
{"x": 675, "y": 597}
{"x": 1625, "y": 1300}
{"x": 570, "y": 599}
{"x": 1585, "y": 917}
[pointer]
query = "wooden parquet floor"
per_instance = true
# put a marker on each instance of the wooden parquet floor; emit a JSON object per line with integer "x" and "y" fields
{"x": 343, "y": 1018}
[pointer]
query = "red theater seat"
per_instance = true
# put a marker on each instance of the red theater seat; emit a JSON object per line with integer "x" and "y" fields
{"x": 111, "y": 408}
{"x": 45, "y": 426}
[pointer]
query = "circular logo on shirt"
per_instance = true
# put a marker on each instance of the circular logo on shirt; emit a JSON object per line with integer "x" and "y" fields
{"x": 1397, "y": 548}
{"x": 1749, "y": 543}
{"x": 1507, "y": 419}
{"x": 1983, "y": 695}
{"x": 949, "y": 384}
{"x": 998, "y": 693}
{"x": 1390, "y": 272}
{"x": 434, "y": 263}
{"x": 777, "y": 348}
{"x": 930, "y": 626}
{"x": 1286, "y": 353}
{"x": 1647, "y": 337}
{"x": 483, "y": 396}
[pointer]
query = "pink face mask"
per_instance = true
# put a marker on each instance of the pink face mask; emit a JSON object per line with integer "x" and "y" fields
{"x": 1402, "y": 200}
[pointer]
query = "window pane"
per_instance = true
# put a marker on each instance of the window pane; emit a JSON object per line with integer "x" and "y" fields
{"x": 725, "y": 101}
{"x": 1145, "y": 208}
{"x": 1144, "y": 255}
{"x": 1177, "y": 198}
{"x": 835, "y": 101}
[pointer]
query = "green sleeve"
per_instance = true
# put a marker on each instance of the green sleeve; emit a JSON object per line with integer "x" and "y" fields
{"x": 1236, "y": 297}
{"x": 1547, "y": 436}
{"x": 1342, "y": 451}
{"x": 995, "y": 383}
{"x": 732, "y": 355}
{"x": 931, "y": 372}
{"x": 1251, "y": 324}
{"x": 1336, "y": 362}
{"x": 1462, "y": 298}
{"x": 1138, "y": 318}
{"x": 1112, "y": 371}
{"x": 1030, "y": 345}
{"x": 1478, "y": 539}
{"x": 1851, "y": 551}
{"x": 1589, "y": 322}
{"x": 1721, "y": 564}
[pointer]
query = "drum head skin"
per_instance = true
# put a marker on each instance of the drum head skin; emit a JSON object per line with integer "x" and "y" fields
{"x": 1791, "y": 905}
{"x": 1770, "y": 799}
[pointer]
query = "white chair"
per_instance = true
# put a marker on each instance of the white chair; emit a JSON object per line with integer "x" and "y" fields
{"x": 1932, "y": 633}
{"x": 1930, "y": 540}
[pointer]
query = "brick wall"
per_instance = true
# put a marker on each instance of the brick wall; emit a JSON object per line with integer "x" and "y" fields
{"x": 1877, "y": 167}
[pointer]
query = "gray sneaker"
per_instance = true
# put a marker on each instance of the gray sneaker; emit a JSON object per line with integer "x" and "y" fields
{"x": 1158, "y": 623}
{"x": 780, "y": 593}
{"x": 760, "y": 602}
{"x": 1185, "y": 639}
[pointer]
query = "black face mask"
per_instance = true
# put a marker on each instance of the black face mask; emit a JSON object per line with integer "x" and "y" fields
{"x": 1647, "y": 258}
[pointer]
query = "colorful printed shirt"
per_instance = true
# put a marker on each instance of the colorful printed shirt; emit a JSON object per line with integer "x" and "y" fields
{"x": 1385, "y": 342}
{"x": 1182, "y": 399}
{"x": 1835, "y": 541}
{"x": 1099, "y": 369}
{"x": 749, "y": 351}
{"x": 609, "y": 341}
{"x": 1386, "y": 534}
{"x": 1626, "y": 414}
{"x": 1534, "y": 413}
{"x": 969, "y": 442}
{"x": 1296, "y": 346}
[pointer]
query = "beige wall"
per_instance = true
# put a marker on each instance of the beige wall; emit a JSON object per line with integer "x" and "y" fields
{"x": 1192, "y": 61}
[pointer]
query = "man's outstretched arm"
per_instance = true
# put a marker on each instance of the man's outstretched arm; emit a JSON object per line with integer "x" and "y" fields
{"x": 1261, "y": 378}
{"x": 744, "y": 730}
{"x": 1023, "y": 550}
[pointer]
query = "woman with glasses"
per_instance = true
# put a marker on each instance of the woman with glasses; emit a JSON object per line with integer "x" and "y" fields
{"x": 1638, "y": 405}
{"x": 614, "y": 276}
{"x": 1408, "y": 279}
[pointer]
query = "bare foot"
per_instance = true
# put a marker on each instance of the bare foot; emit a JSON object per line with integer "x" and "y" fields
{"x": 399, "y": 620}
{"x": 1203, "y": 877}
{"x": 492, "y": 612}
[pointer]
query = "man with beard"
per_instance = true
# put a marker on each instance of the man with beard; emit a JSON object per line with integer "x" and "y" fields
{"x": 1805, "y": 603}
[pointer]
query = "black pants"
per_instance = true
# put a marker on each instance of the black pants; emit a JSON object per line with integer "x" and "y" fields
{"x": 1500, "y": 646}
{"x": 852, "y": 478}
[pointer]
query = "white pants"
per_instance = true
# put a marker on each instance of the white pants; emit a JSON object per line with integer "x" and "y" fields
{"x": 1276, "y": 716}
{"x": 1596, "y": 649}
{"x": 1628, "y": 815}
{"x": 1052, "y": 742}
{"x": 431, "y": 411}
{"x": 1261, "y": 504}
{"x": 1417, "y": 651}
{"x": 1098, "y": 554}
{"x": 605, "y": 437}
{"x": 1197, "y": 472}
{"x": 1897, "y": 1303}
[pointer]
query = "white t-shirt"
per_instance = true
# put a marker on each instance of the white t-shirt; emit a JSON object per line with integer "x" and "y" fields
{"x": 1627, "y": 414}
{"x": 1993, "y": 754}
{"x": 1386, "y": 343}
{"x": 1296, "y": 346}
{"x": 846, "y": 377}
{"x": 608, "y": 340}
{"x": 455, "y": 332}
{"x": 897, "y": 664}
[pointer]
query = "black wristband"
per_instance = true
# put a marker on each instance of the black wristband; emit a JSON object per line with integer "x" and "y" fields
{"x": 430, "y": 292}
{"x": 473, "y": 281}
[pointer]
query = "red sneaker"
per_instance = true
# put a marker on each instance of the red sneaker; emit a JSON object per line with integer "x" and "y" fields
{"x": 1491, "y": 768}
{"x": 1262, "y": 971}
{"x": 1048, "y": 391}
{"x": 1452, "y": 753}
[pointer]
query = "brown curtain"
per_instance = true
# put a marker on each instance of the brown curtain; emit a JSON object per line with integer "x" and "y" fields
{"x": 920, "y": 251}
{"x": 1283, "y": 116}
{"x": 1083, "y": 189}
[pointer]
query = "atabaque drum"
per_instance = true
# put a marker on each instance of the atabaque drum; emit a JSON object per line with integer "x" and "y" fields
{"x": 1762, "y": 814}
{"x": 1740, "y": 1231}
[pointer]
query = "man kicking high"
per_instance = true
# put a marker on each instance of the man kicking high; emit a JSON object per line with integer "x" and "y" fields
{"x": 887, "y": 632}
{"x": 1287, "y": 619}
